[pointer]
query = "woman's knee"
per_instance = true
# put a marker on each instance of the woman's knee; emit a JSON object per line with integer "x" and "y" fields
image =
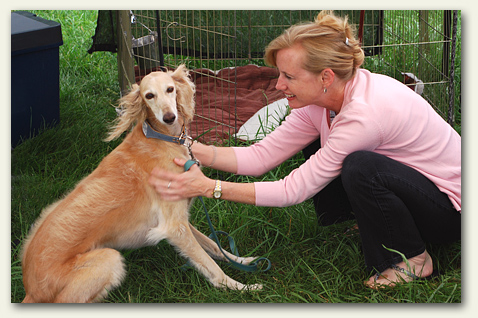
{"x": 356, "y": 163}
{"x": 360, "y": 167}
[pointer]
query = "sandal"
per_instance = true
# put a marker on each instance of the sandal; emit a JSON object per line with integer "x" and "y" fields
{"x": 407, "y": 273}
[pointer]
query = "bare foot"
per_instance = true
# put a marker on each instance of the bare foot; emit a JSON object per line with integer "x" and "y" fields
{"x": 420, "y": 266}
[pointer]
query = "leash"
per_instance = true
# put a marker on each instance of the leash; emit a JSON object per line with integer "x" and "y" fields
{"x": 149, "y": 132}
{"x": 251, "y": 267}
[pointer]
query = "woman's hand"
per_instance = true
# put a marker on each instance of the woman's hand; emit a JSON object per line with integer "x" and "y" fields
{"x": 173, "y": 186}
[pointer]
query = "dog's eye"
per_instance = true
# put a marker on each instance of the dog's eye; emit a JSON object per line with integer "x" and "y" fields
{"x": 170, "y": 89}
{"x": 149, "y": 96}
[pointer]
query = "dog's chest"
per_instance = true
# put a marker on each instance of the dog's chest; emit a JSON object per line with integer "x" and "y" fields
{"x": 134, "y": 233}
{"x": 171, "y": 219}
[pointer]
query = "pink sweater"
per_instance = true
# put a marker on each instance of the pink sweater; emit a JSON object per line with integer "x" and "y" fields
{"x": 379, "y": 114}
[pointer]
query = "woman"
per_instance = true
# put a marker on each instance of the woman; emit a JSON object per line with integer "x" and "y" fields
{"x": 387, "y": 154}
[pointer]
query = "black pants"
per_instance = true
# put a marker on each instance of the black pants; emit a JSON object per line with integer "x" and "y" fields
{"x": 395, "y": 206}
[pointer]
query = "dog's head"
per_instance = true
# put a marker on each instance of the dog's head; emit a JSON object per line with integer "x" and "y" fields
{"x": 167, "y": 95}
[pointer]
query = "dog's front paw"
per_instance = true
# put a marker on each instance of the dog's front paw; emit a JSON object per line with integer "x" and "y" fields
{"x": 253, "y": 287}
{"x": 246, "y": 260}
{"x": 235, "y": 285}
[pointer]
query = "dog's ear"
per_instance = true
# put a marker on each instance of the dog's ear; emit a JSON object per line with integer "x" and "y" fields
{"x": 131, "y": 110}
{"x": 185, "y": 89}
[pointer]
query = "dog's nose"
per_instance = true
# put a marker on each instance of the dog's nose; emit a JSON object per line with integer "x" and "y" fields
{"x": 169, "y": 118}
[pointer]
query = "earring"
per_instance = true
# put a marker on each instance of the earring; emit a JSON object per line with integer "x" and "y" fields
{"x": 325, "y": 90}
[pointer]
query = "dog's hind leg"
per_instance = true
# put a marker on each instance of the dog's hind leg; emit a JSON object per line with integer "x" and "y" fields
{"x": 213, "y": 250}
{"x": 92, "y": 275}
{"x": 184, "y": 240}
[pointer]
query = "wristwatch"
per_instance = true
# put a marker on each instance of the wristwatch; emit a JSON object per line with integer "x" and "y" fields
{"x": 217, "y": 192}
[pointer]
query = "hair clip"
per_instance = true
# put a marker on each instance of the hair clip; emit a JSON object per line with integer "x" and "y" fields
{"x": 347, "y": 41}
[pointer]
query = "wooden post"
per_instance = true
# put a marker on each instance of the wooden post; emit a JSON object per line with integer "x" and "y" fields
{"x": 423, "y": 70}
{"x": 447, "y": 26}
{"x": 125, "y": 57}
{"x": 451, "y": 106}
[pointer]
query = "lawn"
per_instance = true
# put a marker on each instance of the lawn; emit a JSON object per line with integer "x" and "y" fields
{"x": 310, "y": 264}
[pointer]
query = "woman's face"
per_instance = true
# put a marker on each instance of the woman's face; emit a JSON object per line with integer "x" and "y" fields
{"x": 300, "y": 86}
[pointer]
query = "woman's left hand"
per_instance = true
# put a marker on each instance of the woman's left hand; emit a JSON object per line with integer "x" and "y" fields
{"x": 173, "y": 186}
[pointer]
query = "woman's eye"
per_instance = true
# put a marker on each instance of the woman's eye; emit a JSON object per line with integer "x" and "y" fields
{"x": 170, "y": 89}
{"x": 149, "y": 96}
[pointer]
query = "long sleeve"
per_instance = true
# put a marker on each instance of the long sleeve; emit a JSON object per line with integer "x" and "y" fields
{"x": 378, "y": 114}
{"x": 299, "y": 129}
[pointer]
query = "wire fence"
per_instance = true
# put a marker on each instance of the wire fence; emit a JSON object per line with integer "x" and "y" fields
{"x": 417, "y": 47}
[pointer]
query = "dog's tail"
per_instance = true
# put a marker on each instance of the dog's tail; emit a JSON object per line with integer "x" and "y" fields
{"x": 131, "y": 111}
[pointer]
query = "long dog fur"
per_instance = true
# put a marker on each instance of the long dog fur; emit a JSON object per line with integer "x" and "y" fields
{"x": 70, "y": 254}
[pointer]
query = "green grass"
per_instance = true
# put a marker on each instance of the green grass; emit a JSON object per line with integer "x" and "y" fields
{"x": 309, "y": 263}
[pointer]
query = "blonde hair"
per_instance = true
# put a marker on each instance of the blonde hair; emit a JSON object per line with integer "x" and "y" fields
{"x": 329, "y": 42}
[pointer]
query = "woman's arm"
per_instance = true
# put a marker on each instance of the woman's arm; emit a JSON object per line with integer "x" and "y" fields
{"x": 293, "y": 134}
{"x": 219, "y": 158}
{"x": 172, "y": 186}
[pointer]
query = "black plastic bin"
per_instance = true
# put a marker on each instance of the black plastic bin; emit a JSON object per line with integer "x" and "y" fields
{"x": 35, "y": 75}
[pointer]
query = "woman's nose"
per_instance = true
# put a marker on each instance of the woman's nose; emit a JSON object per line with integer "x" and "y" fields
{"x": 280, "y": 84}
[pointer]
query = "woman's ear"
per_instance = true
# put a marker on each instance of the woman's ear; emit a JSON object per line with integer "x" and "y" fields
{"x": 327, "y": 77}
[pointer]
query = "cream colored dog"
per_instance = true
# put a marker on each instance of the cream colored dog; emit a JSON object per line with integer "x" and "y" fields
{"x": 70, "y": 255}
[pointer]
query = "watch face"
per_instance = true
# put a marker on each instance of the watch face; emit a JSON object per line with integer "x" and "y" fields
{"x": 217, "y": 194}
